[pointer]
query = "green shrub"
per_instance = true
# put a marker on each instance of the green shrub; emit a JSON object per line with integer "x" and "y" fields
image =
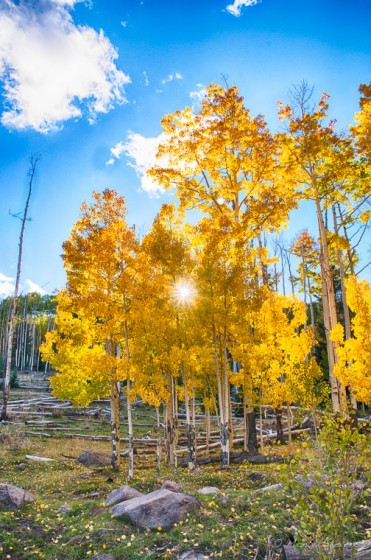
{"x": 323, "y": 512}
{"x": 14, "y": 381}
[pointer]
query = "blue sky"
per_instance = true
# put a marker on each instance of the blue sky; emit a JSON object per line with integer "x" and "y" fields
{"x": 79, "y": 79}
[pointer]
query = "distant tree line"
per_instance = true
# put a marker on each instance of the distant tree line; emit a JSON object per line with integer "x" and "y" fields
{"x": 35, "y": 315}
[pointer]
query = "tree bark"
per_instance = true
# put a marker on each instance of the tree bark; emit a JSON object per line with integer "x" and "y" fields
{"x": 189, "y": 427}
{"x": 158, "y": 441}
{"x": 169, "y": 422}
{"x": 280, "y": 435}
{"x": 348, "y": 334}
{"x": 115, "y": 426}
{"x": 338, "y": 395}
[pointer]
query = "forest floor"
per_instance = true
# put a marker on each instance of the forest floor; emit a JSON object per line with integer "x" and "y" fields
{"x": 242, "y": 521}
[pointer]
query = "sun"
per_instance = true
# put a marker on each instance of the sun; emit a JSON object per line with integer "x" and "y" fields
{"x": 183, "y": 292}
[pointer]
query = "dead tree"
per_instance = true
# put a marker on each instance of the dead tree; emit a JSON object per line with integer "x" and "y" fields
{"x": 34, "y": 160}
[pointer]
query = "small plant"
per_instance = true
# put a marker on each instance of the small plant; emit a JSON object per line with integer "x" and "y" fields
{"x": 332, "y": 484}
{"x": 14, "y": 380}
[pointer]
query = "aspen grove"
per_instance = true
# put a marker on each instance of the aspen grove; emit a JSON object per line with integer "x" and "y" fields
{"x": 195, "y": 310}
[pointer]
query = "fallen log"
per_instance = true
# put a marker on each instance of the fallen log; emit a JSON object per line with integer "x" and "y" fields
{"x": 39, "y": 434}
{"x": 41, "y": 459}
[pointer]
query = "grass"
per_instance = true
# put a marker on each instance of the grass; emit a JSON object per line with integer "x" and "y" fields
{"x": 237, "y": 523}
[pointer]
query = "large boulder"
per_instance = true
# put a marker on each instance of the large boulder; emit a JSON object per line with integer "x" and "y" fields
{"x": 93, "y": 459}
{"x": 121, "y": 495}
{"x": 162, "y": 508}
{"x": 12, "y": 497}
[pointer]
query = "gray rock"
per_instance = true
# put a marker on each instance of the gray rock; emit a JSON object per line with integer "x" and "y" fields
{"x": 64, "y": 509}
{"x": 306, "y": 482}
{"x": 162, "y": 508}
{"x": 121, "y": 495}
{"x": 272, "y": 488}
{"x": 208, "y": 490}
{"x": 104, "y": 557}
{"x": 192, "y": 555}
{"x": 359, "y": 550}
{"x": 93, "y": 459}
{"x": 290, "y": 552}
{"x": 225, "y": 501}
{"x": 12, "y": 497}
{"x": 171, "y": 485}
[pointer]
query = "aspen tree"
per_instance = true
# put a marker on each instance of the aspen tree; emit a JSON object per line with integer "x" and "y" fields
{"x": 222, "y": 161}
{"x": 90, "y": 348}
{"x": 310, "y": 154}
{"x": 353, "y": 367}
{"x": 306, "y": 249}
{"x": 167, "y": 249}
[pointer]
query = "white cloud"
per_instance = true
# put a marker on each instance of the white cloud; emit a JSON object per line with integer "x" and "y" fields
{"x": 7, "y": 286}
{"x": 124, "y": 23}
{"x": 53, "y": 70}
{"x": 116, "y": 152}
{"x": 146, "y": 80}
{"x": 198, "y": 95}
{"x": 32, "y": 287}
{"x": 235, "y": 8}
{"x": 70, "y": 3}
{"x": 142, "y": 151}
{"x": 171, "y": 77}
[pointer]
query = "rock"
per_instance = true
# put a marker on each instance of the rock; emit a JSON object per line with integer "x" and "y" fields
{"x": 225, "y": 501}
{"x": 306, "y": 482}
{"x": 290, "y": 552}
{"x": 121, "y": 495}
{"x": 359, "y": 485}
{"x": 272, "y": 488}
{"x": 22, "y": 466}
{"x": 12, "y": 497}
{"x": 256, "y": 477}
{"x": 104, "y": 557}
{"x": 93, "y": 459}
{"x": 358, "y": 551}
{"x": 192, "y": 555}
{"x": 162, "y": 508}
{"x": 352, "y": 551}
{"x": 171, "y": 485}
{"x": 64, "y": 509}
{"x": 208, "y": 490}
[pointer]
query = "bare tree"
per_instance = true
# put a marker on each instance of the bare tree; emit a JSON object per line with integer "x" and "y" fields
{"x": 34, "y": 160}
